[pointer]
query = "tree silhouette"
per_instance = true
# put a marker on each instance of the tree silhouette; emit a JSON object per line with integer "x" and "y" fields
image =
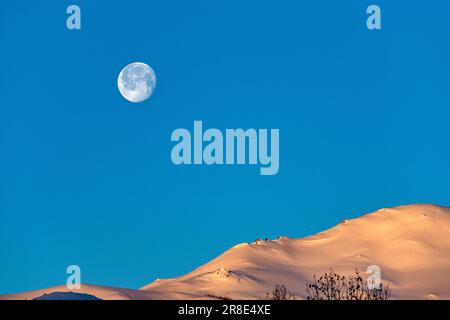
{"x": 333, "y": 286}
{"x": 280, "y": 293}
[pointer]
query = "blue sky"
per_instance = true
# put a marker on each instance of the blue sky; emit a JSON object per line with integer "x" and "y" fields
{"x": 86, "y": 177}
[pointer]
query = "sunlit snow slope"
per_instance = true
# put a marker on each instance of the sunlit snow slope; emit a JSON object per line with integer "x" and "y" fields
{"x": 411, "y": 245}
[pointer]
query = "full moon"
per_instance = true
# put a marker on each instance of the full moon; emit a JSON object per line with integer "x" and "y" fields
{"x": 136, "y": 82}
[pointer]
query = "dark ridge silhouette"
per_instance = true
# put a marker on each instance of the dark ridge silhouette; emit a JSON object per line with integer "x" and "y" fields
{"x": 67, "y": 296}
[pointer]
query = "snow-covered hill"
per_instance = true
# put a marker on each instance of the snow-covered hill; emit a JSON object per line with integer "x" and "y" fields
{"x": 411, "y": 245}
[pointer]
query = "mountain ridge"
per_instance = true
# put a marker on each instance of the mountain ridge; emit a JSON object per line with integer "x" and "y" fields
{"x": 409, "y": 243}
